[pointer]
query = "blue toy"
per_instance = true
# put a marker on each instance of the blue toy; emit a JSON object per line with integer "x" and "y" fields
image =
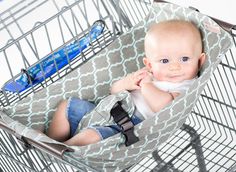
{"x": 39, "y": 72}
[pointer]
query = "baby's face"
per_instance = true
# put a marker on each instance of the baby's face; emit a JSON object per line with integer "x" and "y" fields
{"x": 174, "y": 58}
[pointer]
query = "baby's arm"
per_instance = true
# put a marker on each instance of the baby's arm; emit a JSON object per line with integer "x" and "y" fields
{"x": 156, "y": 98}
{"x": 130, "y": 82}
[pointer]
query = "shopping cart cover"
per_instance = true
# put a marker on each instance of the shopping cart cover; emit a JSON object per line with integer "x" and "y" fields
{"x": 92, "y": 82}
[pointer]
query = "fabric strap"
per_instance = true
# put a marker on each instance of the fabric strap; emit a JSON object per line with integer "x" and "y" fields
{"x": 123, "y": 120}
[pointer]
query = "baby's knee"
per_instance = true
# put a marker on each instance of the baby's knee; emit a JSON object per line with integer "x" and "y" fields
{"x": 62, "y": 104}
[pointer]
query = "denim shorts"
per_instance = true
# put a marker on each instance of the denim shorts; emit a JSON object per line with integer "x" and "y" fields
{"x": 77, "y": 108}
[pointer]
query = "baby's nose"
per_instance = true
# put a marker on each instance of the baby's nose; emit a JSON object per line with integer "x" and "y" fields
{"x": 175, "y": 66}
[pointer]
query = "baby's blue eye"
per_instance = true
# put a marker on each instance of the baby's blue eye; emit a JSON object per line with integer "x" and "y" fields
{"x": 164, "y": 60}
{"x": 184, "y": 59}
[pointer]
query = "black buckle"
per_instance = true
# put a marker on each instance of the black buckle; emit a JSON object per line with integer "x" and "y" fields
{"x": 122, "y": 119}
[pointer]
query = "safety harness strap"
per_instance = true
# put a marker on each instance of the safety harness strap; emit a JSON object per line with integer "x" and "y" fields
{"x": 122, "y": 119}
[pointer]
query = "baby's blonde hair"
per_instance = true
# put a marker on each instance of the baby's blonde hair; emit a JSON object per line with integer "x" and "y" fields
{"x": 175, "y": 26}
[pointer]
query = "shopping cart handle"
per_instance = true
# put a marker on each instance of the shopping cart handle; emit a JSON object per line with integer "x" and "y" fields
{"x": 5, "y": 127}
{"x": 56, "y": 149}
{"x": 51, "y": 148}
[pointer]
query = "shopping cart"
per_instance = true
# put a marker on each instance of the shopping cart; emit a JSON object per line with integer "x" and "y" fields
{"x": 207, "y": 140}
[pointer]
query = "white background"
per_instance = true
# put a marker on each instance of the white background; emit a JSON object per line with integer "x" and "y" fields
{"x": 225, "y": 10}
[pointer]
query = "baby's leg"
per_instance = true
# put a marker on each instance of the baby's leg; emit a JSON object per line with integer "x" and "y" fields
{"x": 67, "y": 117}
{"x": 59, "y": 128}
{"x": 86, "y": 137}
{"x": 92, "y": 135}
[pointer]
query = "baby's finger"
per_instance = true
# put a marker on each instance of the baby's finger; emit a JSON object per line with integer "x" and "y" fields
{"x": 140, "y": 73}
{"x": 143, "y": 75}
{"x": 145, "y": 69}
{"x": 136, "y": 87}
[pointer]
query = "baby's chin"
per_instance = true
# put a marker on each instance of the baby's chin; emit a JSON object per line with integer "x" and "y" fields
{"x": 176, "y": 79}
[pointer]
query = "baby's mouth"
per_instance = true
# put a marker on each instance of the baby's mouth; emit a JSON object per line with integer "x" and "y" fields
{"x": 175, "y": 76}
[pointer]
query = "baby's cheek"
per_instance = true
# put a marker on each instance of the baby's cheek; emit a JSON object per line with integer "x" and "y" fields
{"x": 158, "y": 75}
{"x": 192, "y": 72}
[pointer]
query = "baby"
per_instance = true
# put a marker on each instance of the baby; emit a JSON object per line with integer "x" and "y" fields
{"x": 173, "y": 59}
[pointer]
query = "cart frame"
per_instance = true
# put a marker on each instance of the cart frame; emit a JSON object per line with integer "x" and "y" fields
{"x": 206, "y": 142}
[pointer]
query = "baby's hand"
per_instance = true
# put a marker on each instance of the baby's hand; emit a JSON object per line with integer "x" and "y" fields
{"x": 130, "y": 82}
{"x": 147, "y": 79}
{"x": 133, "y": 80}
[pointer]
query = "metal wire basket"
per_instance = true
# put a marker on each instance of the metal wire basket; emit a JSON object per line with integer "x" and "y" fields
{"x": 206, "y": 142}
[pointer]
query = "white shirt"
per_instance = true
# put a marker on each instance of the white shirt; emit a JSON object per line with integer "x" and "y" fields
{"x": 141, "y": 104}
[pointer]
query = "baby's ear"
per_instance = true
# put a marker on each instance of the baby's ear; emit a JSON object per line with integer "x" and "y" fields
{"x": 201, "y": 60}
{"x": 147, "y": 63}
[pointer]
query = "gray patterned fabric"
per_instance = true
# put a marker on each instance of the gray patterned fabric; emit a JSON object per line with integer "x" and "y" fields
{"x": 92, "y": 82}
